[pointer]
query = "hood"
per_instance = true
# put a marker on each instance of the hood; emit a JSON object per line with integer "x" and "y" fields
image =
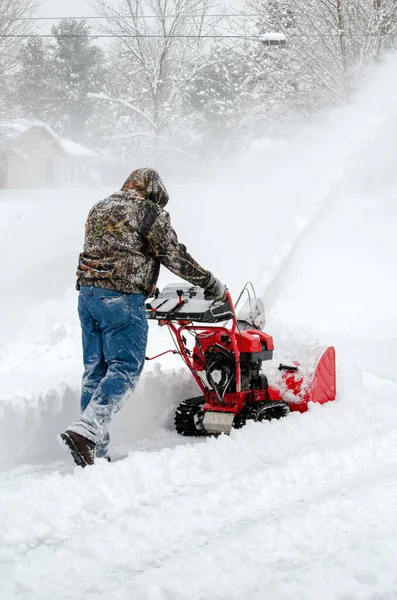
{"x": 146, "y": 184}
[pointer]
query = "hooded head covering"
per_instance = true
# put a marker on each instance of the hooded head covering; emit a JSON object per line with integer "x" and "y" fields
{"x": 146, "y": 184}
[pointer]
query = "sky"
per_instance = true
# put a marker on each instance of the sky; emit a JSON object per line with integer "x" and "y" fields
{"x": 60, "y": 8}
{"x": 51, "y": 8}
{"x": 81, "y": 8}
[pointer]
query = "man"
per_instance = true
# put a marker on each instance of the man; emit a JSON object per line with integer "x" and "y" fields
{"x": 127, "y": 237}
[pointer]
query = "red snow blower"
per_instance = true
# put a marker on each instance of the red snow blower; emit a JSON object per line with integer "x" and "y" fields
{"x": 225, "y": 353}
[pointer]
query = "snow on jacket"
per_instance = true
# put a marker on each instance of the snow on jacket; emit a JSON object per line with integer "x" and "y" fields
{"x": 128, "y": 236}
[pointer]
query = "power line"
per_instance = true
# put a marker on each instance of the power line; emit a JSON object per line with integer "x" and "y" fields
{"x": 113, "y": 36}
{"x": 92, "y": 18}
{"x": 190, "y": 36}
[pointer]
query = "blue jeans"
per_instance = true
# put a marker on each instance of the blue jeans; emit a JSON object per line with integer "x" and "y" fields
{"x": 114, "y": 327}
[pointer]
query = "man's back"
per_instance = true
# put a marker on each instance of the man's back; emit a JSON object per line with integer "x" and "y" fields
{"x": 116, "y": 252}
{"x": 129, "y": 235}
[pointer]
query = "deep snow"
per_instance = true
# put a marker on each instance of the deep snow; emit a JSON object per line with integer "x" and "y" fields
{"x": 303, "y": 508}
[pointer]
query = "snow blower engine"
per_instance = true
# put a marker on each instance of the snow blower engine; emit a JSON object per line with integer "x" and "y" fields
{"x": 225, "y": 353}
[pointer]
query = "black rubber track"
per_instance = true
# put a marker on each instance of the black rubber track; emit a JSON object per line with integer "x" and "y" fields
{"x": 188, "y": 417}
{"x": 261, "y": 411}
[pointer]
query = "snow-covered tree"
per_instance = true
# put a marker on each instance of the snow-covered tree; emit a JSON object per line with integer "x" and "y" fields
{"x": 329, "y": 42}
{"x": 251, "y": 88}
{"x": 217, "y": 98}
{"x": 77, "y": 68}
{"x": 166, "y": 88}
{"x": 34, "y": 81}
{"x": 152, "y": 61}
{"x": 13, "y": 23}
{"x": 245, "y": 88}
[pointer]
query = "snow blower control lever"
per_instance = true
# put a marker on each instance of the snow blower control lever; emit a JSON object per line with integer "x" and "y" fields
{"x": 225, "y": 352}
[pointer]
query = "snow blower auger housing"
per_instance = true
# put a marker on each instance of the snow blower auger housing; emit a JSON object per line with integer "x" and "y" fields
{"x": 225, "y": 352}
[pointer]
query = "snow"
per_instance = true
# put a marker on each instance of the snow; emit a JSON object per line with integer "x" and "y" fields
{"x": 299, "y": 509}
{"x": 18, "y": 127}
{"x": 73, "y": 149}
{"x": 13, "y": 130}
{"x": 298, "y": 516}
{"x": 10, "y": 132}
{"x": 273, "y": 37}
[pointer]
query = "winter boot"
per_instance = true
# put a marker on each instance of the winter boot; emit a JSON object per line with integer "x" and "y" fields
{"x": 82, "y": 450}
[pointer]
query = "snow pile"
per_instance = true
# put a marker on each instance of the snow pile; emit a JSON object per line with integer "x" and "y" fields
{"x": 29, "y": 423}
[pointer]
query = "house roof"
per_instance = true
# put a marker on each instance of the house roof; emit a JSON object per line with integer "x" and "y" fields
{"x": 74, "y": 149}
{"x": 12, "y": 131}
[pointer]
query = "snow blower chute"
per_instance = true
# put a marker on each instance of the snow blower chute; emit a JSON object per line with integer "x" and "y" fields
{"x": 225, "y": 352}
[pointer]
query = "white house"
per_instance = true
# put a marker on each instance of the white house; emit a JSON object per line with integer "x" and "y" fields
{"x": 32, "y": 155}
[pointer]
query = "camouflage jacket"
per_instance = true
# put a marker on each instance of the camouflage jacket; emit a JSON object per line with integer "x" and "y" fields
{"x": 127, "y": 237}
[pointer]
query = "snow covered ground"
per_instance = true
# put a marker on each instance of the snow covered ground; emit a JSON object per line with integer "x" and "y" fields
{"x": 303, "y": 508}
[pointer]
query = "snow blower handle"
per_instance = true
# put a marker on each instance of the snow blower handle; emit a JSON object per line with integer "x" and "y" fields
{"x": 215, "y": 290}
{"x": 228, "y": 298}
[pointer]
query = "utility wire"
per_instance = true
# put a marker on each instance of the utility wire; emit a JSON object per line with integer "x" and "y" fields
{"x": 190, "y": 36}
{"x": 193, "y": 15}
{"x": 122, "y": 36}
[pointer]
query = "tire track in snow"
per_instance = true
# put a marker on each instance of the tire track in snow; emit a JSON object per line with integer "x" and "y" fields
{"x": 271, "y": 510}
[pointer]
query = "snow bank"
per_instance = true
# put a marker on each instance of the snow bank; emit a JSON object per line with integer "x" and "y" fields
{"x": 40, "y": 377}
{"x": 30, "y": 423}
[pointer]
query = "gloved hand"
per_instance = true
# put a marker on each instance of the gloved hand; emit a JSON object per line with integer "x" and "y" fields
{"x": 215, "y": 290}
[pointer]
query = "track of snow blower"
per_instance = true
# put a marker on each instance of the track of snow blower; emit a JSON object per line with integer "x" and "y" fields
{"x": 225, "y": 353}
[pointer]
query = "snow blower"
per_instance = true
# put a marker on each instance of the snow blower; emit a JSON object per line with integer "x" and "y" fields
{"x": 225, "y": 352}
